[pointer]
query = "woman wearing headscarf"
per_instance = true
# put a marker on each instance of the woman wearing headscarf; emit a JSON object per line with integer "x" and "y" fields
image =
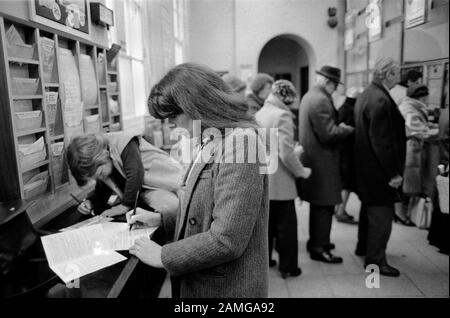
{"x": 236, "y": 84}
{"x": 275, "y": 114}
{"x": 259, "y": 90}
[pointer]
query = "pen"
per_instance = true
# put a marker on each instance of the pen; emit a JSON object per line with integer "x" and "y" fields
{"x": 80, "y": 202}
{"x": 135, "y": 205}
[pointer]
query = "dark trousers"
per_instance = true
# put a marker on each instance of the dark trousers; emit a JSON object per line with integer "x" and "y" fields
{"x": 283, "y": 228}
{"x": 374, "y": 230}
{"x": 320, "y": 218}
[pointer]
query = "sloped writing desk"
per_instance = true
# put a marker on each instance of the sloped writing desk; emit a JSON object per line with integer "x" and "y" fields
{"x": 128, "y": 279}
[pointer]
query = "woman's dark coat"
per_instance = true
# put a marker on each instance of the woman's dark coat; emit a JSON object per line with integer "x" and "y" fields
{"x": 347, "y": 161}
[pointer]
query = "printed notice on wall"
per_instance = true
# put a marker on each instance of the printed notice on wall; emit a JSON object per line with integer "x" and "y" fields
{"x": 73, "y": 120}
{"x": 69, "y": 14}
{"x": 415, "y": 12}
{"x": 88, "y": 80}
{"x": 349, "y": 38}
{"x": 48, "y": 56}
{"x": 373, "y": 20}
{"x": 72, "y": 95}
{"x": 51, "y": 99}
{"x": 69, "y": 77}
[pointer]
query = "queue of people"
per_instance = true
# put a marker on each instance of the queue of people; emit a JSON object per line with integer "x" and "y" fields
{"x": 223, "y": 216}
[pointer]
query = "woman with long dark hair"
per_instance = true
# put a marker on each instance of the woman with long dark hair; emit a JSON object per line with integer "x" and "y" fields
{"x": 220, "y": 246}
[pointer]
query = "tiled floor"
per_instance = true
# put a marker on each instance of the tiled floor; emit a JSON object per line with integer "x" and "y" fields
{"x": 424, "y": 271}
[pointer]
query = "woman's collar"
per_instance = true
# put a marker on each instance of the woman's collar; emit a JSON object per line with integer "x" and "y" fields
{"x": 274, "y": 100}
{"x": 417, "y": 104}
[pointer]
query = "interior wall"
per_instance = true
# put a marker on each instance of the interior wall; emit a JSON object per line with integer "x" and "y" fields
{"x": 21, "y": 9}
{"x": 230, "y": 34}
{"x": 211, "y": 33}
{"x": 305, "y": 19}
{"x": 283, "y": 55}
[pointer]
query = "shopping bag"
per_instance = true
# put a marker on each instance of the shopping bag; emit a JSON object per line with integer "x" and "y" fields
{"x": 420, "y": 211}
{"x": 442, "y": 186}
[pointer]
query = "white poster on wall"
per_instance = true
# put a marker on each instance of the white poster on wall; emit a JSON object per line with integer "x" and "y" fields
{"x": 349, "y": 37}
{"x": 374, "y": 20}
{"x": 415, "y": 13}
{"x": 89, "y": 87}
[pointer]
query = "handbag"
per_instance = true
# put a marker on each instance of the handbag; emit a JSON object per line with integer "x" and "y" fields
{"x": 17, "y": 234}
{"x": 420, "y": 210}
{"x": 24, "y": 269}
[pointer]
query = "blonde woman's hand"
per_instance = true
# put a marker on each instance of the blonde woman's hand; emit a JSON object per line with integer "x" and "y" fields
{"x": 116, "y": 210}
{"x": 144, "y": 218}
{"x": 85, "y": 207}
{"x": 148, "y": 252}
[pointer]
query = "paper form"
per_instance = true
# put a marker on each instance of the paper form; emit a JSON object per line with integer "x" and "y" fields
{"x": 121, "y": 238}
{"x": 83, "y": 266}
{"x": 73, "y": 254}
{"x": 98, "y": 219}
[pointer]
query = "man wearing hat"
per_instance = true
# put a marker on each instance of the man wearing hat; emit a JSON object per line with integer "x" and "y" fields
{"x": 379, "y": 162}
{"x": 320, "y": 135}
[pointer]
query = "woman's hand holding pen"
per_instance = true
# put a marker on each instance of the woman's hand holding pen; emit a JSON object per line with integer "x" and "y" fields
{"x": 144, "y": 218}
{"x": 148, "y": 252}
{"x": 145, "y": 249}
{"x": 85, "y": 207}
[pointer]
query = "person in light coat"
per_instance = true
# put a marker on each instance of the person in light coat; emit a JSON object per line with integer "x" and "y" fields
{"x": 275, "y": 114}
{"x": 399, "y": 91}
{"x": 418, "y": 130}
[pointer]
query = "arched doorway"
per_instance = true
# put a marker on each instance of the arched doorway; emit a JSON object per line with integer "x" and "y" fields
{"x": 287, "y": 57}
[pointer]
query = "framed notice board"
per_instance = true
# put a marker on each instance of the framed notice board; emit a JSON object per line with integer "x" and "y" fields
{"x": 71, "y": 16}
